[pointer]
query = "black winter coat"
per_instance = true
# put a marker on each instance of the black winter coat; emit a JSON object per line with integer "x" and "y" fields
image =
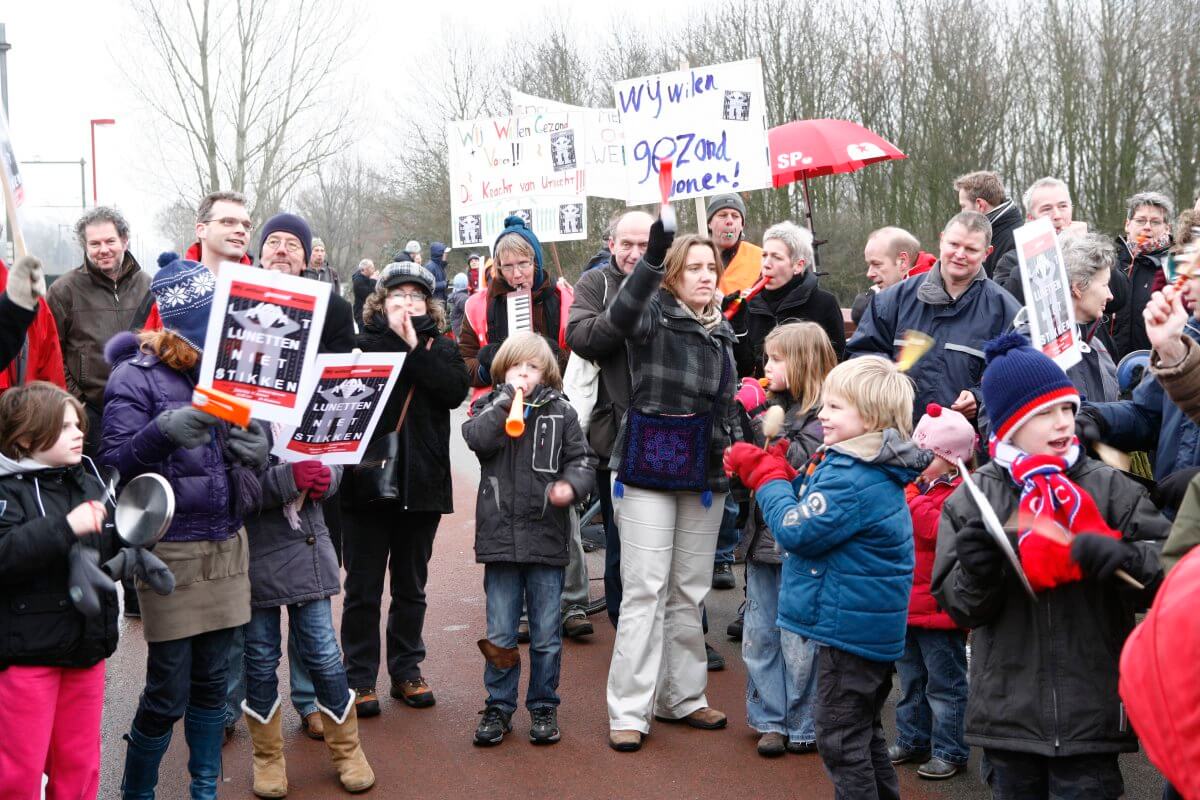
{"x": 440, "y": 377}
{"x": 1044, "y": 675}
{"x": 1128, "y": 326}
{"x": 39, "y": 626}
{"x": 14, "y": 321}
{"x": 338, "y": 334}
{"x": 364, "y": 287}
{"x": 1005, "y": 218}
{"x": 515, "y": 522}
{"x": 802, "y": 299}
{"x": 592, "y": 336}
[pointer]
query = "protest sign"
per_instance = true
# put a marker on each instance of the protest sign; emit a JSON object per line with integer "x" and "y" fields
{"x": 262, "y": 339}
{"x": 1049, "y": 307}
{"x": 343, "y": 408}
{"x": 530, "y": 166}
{"x": 602, "y": 144}
{"x": 711, "y": 121}
{"x": 12, "y": 190}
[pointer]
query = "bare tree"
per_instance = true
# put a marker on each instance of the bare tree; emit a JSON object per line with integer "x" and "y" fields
{"x": 245, "y": 100}
{"x": 177, "y": 222}
{"x": 342, "y": 205}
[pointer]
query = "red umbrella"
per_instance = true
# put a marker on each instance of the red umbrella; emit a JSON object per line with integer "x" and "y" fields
{"x": 808, "y": 148}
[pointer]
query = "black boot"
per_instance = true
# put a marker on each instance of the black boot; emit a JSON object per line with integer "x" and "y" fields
{"x": 142, "y": 757}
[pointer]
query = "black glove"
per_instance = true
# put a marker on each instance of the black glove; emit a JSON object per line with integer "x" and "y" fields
{"x": 187, "y": 427}
{"x": 249, "y": 446}
{"x": 1099, "y": 556}
{"x": 1090, "y": 427}
{"x": 977, "y": 551}
{"x": 132, "y": 563}
{"x": 660, "y": 242}
{"x": 740, "y": 319}
{"x": 485, "y": 356}
{"x": 504, "y": 397}
{"x": 1171, "y": 489}
{"x": 85, "y": 580}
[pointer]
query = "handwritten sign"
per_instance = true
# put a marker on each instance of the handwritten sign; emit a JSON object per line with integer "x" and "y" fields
{"x": 603, "y": 142}
{"x": 262, "y": 339}
{"x": 1049, "y": 307}
{"x": 711, "y": 121}
{"x": 343, "y": 408}
{"x": 529, "y": 165}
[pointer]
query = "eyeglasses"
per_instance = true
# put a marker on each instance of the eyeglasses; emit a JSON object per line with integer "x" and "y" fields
{"x": 1151, "y": 221}
{"x": 411, "y": 297}
{"x": 520, "y": 266}
{"x": 275, "y": 242}
{"x": 234, "y": 222}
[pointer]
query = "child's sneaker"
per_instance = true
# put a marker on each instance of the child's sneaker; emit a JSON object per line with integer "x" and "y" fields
{"x": 495, "y": 723}
{"x": 544, "y": 729}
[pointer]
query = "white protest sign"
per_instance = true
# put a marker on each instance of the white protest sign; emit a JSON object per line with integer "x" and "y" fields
{"x": 262, "y": 338}
{"x": 603, "y": 142}
{"x": 342, "y": 409}
{"x": 710, "y": 121}
{"x": 530, "y": 166}
{"x": 1050, "y": 310}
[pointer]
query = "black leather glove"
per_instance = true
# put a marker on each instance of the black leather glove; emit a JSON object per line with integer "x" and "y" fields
{"x": 249, "y": 446}
{"x": 485, "y": 357}
{"x": 740, "y": 320}
{"x": 658, "y": 245}
{"x": 1099, "y": 556}
{"x": 187, "y": 427}
{"x": 1090, "y": 427}
{"x": 504, "y": 397}
{"x": 978, "y": 552}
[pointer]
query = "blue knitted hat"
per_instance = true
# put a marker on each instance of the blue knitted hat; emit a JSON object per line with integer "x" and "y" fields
{"x": 184, "y": 293}
{"x": 289, "y": 223}
{"x": 1018, "y": 382}
{"x": 515, "y": 224}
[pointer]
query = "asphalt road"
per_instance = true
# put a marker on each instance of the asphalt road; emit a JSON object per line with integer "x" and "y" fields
{"x": 428, "y": 753}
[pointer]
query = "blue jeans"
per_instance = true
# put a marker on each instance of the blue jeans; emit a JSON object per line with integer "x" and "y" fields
{"x": 729, "y": 534}
{"x": 612, "y": 547}
{"x": 931, "y": 711}
{"x": 781, "y": 675}
{"x": 303, "y": 693}
{"x": 318, "y": 650}
{"x": 507, "y": 586}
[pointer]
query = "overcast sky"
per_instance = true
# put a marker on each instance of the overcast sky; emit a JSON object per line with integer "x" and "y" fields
{"x": 62, "y": 73}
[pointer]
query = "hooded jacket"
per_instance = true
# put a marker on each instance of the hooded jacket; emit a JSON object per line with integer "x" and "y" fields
{"x": 1044, "y": 675}
{"x": 38, "y": 353}
{"x": 436, "y": 374}
{"x": 1128, "y": 327}
{"x": 848, "y": 548}
{"x": 39, "y": 625}
{"x": 515, "y": 522}
{"x": 291, "y": 555}
{"x": 437, "y": 265}
{"x": 90, "y": 308}
{"x": 799, "y": 299}
{"x": 959, "y": 327}
{"x": 1005, "y": 218}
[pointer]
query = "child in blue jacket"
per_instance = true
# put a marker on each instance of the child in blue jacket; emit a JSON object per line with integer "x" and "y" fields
{"x": 846, "y": 533}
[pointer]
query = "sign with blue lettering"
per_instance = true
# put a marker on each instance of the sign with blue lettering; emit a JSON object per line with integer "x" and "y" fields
{"x": 711, "y": 121}
{"x": 531, "y": 165}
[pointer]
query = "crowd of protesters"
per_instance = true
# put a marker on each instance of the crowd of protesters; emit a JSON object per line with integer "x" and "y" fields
{"x": 807, "y": 440}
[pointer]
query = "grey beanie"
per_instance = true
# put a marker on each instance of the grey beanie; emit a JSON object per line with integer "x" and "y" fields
{"x": 723, "y": 201}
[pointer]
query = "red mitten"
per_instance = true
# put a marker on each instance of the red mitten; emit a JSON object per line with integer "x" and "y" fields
{"x": 1047, "y": 563}
{"x": 755, "y": 466}
{"x": 751, "y": 396}
{"x": 780, "y": 448}
{"x": 312, "y": 476}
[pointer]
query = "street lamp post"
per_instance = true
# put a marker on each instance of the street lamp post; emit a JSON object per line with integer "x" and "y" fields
{"x": 96, "y": 122}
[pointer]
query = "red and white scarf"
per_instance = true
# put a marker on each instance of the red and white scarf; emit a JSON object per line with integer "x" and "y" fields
{"x": 1049, "y": 501}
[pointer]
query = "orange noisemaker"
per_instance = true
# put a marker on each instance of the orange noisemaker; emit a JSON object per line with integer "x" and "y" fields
{"x": 750, "y": 293}
{"x": 514, "y": 426}
{"x": 222, "y": 406}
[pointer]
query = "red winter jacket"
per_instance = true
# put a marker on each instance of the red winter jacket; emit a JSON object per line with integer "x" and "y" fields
{"x": 924, "y": 263}
{"x": 42, "y": 359}
{"x": 926, "y": 509}
{"x": 153, "y": 320}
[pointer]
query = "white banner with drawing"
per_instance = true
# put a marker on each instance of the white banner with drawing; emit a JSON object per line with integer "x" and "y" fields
{"x": 602, "y": 145}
